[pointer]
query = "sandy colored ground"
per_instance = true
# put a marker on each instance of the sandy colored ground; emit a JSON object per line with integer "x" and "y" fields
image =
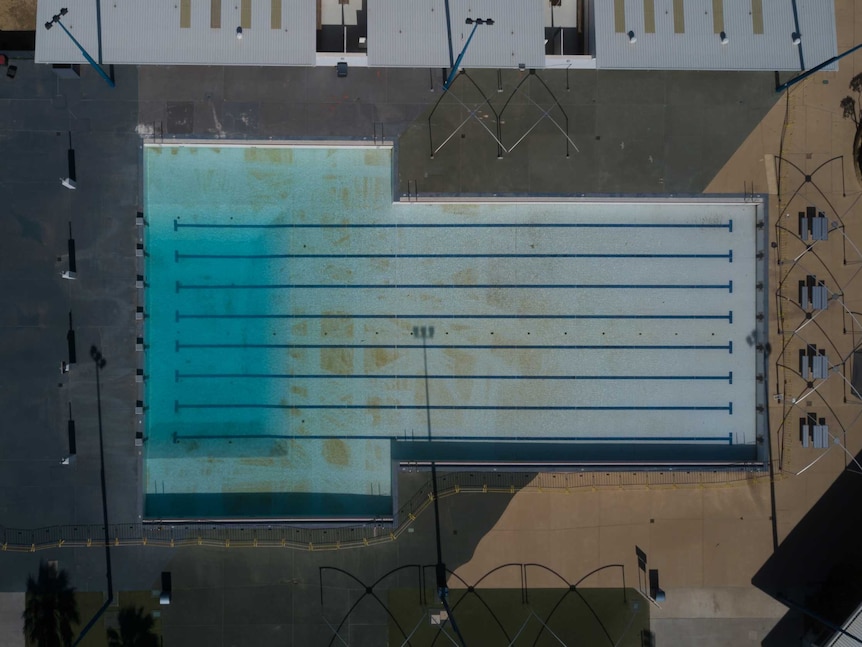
{"x": 17, "y": 15}
{"x": 708, "y": 542}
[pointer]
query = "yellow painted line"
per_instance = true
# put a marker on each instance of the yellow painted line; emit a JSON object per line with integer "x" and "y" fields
{"x": 757, "y": 16}
{"x": 620, "y": 16}
{"x": 717, "y": 16}
{"x": 649, "y": 16}
{"x": 215, "y": 14}
{"x": 679, "y": 16}
{"x": 185, "y": 14}
{"x": 275, "y": 14}
{"x": 245, "y": 14}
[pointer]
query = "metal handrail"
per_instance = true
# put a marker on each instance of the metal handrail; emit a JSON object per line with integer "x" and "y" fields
{"x": 286, "y": 534}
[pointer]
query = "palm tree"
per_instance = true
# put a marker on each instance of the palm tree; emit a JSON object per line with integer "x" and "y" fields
{"x": 51, "y": 608}
{"x": 136, "y": 629}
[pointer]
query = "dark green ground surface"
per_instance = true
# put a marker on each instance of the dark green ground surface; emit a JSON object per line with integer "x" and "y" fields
{"x": 550, "y": 617}
{"x": 90, "y": 603}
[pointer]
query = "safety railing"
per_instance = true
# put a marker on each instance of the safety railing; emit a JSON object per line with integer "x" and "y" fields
{"x": 316, "y": 537}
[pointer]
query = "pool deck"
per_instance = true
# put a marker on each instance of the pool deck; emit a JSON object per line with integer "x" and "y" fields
{"x": 638, "y": 132}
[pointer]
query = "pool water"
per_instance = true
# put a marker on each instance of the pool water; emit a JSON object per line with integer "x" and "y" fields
{"x": 303, "y": 330}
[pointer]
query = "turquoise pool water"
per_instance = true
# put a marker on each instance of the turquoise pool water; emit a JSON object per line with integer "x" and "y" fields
{"x": 214, "y": 215}
{"x": 285, "y": 291}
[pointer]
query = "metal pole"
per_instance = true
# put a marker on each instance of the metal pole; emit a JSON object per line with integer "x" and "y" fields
{"x": 625, "y": 595}
{"x": 89, "y": 58}
{"x": 449, "y": 30}
{"x": 804, "y": 75}
{"x": 460, "y": 58}
{"x": 99, "y": 28}
{"x": 440, "y": 567}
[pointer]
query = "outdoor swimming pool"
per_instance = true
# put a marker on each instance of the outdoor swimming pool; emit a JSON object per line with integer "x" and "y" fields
{"x": 287, "y": 296}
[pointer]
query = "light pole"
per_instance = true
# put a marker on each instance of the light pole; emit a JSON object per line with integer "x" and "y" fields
{"x": 475, "y": 23}
{"x": 90, "y": 60}
{"x": 426, "y": 333}
{"x": 797, "y": 39}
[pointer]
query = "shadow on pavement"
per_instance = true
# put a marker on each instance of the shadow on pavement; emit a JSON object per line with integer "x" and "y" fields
{"x": 351, "y": 590}
{"x": 817, "y": 569}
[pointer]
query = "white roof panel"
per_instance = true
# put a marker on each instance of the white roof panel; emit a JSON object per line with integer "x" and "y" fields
{"x": 151, "y": 33}
{"x": 412, "y": 33}
{"x": 699, "y": 47}
{"x": 407, "y": 33}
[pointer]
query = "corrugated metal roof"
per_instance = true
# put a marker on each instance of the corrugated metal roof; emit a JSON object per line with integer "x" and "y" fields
{"x": 412, "y": 33}
{"x": 407, "y": 33}
{"x": 852, "y": 626}
{"x": 817, "y": 26}
{"x": 698, "y": 47}
{"x": 136, "y": 32}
